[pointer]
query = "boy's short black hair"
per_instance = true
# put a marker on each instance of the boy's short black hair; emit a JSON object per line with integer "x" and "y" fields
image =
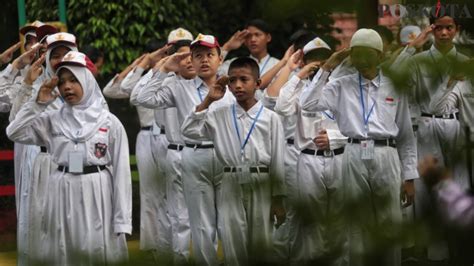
{"x": 259, "y": 24}
{"x": 153, "y": 45}
{"x": 93, "y": 53}
{"x": 434, "y": 18}
{"x": 301, "y": 37}
{"x": 385, "y": 33}
{"x": 246, "y": 62}
{"x": 175, "y": 46}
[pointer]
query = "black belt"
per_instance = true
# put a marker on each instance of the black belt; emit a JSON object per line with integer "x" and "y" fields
{"x": 86, "y": 170}
{"x": 290, "y": 141}
{"x": 43, "y": 149}
{"x": 176, "y": 147}
{"x": 379, "y": 142}
{"x": 446, "y": 116}
{"x": 200, "y": 146}
{"x": 329, "y": 153}
{"x": 148, "y": 128}
{"x": 253, "y": 169}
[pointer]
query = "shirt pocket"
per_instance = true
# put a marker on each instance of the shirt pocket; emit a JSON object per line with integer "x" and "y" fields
{"x": 98, "y": 147}
{"x": 388, "y": 107}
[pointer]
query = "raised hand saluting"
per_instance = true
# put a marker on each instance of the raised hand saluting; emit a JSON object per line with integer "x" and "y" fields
{"x": 7, "y": 55}
{"x": 47, "y": 94}
{"x": 35, "y": 71}
{"x": 26, "y": 58}
{"x": 172, "y": 64}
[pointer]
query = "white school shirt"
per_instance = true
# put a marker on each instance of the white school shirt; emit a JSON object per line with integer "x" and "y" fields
{"x": 169, "y": 90}
{"x": 308, "y": 124}
{"x": 265, "y": 146}
{"x": 390, "y": 117}
{"x": 426, "y": 76}
{"x": 33, "y": 125}
{"x": 122, "y": 90}
{"x": 458, "y": 96}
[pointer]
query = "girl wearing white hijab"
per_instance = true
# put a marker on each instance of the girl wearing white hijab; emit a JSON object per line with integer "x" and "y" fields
{"x": 88, "y": 204}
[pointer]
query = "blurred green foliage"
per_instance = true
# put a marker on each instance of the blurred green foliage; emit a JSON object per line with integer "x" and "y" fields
{"x": 122, "y": 28}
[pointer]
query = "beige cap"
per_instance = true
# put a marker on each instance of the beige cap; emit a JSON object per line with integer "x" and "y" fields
{"x": 179, "y": 34}
{"x": 367, "y": 38}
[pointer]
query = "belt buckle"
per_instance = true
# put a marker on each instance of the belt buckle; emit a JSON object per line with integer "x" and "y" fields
{"x": 446, "y": 116}
{"x": 328, "y": 153}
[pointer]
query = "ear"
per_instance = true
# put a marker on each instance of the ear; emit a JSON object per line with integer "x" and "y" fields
{"x": 258, "y": 82}
{"x": 269, "y": 37}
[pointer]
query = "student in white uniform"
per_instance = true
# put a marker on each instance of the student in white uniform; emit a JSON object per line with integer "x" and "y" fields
{"x": 256, "y": 38}
{"x": 438, "y": 133}
{"x": 250, "y": 145}
{"x": 88, "y": 204}
{"x": 380, "y": 155}
{"x": 201, "y": 171}
{"x": 318, "y": 228}
{"x": 150, "y": 151}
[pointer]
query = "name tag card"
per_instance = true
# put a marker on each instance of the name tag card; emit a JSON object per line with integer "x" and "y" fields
{"x": 367, "y": 149}
{"x": 76, "y": 164}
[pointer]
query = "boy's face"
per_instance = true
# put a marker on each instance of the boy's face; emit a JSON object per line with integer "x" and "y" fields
{"x": 444, "y": 30}
{"x": 365, "y": 59}
{"x": 257, "y": 40}
{"x": 69, "y": 87}
{"x": 242, "y": 83}
{"x": 205, "y": 61}
{"x": 29, "y": 42}
{"x": 186, "y": 69}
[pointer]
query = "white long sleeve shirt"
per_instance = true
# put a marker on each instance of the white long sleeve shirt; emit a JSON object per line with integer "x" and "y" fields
{"x": 168, "y": 91}
{"x": 123, "y": 90}
{"x": 427, "y": 72}
{"x": 265, "y": 146}
{"x": 458, "y": 96}
{"x": 389, "y": 118}
{"x": 308, "y": 124}
{"x": 33, "y": 125}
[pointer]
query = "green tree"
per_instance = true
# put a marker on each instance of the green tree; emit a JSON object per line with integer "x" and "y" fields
{"x": 122, "y": 28}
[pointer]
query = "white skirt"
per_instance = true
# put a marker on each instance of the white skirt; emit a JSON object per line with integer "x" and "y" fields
{"x": 77, "y": 228}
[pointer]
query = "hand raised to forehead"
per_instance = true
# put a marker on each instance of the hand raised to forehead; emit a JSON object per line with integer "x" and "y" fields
{"x": 217, "y": 91}
{"x": 422, "y": 38}
{"x": 335, "y": 59}
{"x": 172, "y": 64}
{"x": 295, "y": 60}
{"x": 26, "y": 58}
{"x": 7, "y": 55}
{"x": 236, "y": 40}
{"x": 47, "y": 93}
{"x": 35, "y": 71}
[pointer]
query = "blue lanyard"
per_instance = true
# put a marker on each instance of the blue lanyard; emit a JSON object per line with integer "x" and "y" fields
{"x": 264, "y": 65}
{"x": 242, "y": 145}
{"x": 199, "y": 92}
{"x": 365, "y": 119}
{"x": 328, "y": 115}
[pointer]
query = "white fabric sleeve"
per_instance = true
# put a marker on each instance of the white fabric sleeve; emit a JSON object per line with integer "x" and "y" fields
{"x": 277, "y": 164}
{"x": 287, "y": 101}
{"x": 158, "y": 92}
{"x": 30, "y": 126}
{"x": 113, "y": 90}
{"x": 122, "y": 180}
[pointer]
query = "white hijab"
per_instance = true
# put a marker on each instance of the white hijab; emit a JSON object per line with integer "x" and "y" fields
{"x": 49, "y": 68}
{"x": 80, "y": 122}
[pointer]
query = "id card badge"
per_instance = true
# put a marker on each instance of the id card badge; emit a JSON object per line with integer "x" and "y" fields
{"x": 156, "y": 130}
{"x": 244, "y": 177}
{"x": 367, "y": 149}
{"x": 75, "y": 162}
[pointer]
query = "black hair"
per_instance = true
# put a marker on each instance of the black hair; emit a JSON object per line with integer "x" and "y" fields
{"x": 433, "y": 18}
{"x": 93, "y": 53}
{"x": 259, "y": 24}
{"x": 301, "y": 37}
{"x": 246, "y": 62}
{"x": 175, "y": 46}
{"x": 385, "y": 33}
{"x": 153, "y": 45}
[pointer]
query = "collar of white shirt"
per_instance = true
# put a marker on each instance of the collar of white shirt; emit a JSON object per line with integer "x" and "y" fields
{"x": 252, "y": 112}
{"x": 438, "y": 55}
{"x": 264, "y": 59}
{"x": 375, "y": 82}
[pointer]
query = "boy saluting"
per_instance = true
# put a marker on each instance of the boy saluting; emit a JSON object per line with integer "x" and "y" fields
{"x": 249, "y": 142}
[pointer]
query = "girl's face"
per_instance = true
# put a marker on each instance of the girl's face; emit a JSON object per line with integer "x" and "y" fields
{"x": 57, "y": 54}
{"x": 69, "y": 87}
